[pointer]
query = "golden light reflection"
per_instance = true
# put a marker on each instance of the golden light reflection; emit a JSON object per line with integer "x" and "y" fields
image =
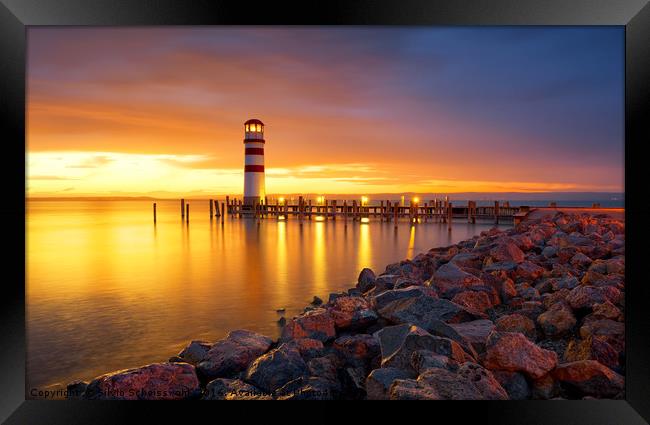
{"x": 320, "y": 200}
{"x": 364, "y": 200}
{"x": 281, "y": 251}
{"x": 365, "y": 248}
{"x": 320, "y": 267}
{"x": 365, "y": 220}
{"x": 411, "y": 246}
{"x": 281, "y": 200}
{"x": 320, "y": 218}
{"x": 416, "y": 200}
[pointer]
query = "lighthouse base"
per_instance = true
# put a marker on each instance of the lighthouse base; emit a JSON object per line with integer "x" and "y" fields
{"x": 252, "y": 200}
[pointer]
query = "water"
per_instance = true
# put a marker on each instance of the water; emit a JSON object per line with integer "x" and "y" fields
{"x": 108, "y": 290}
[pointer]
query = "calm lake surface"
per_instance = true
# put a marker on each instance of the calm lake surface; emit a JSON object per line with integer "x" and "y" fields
{"x": 108, "y": 290}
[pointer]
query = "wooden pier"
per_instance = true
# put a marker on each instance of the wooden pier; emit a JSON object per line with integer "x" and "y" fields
{"x": 436, "y": 210}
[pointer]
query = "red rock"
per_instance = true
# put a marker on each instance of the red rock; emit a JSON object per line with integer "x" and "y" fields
{"x": 379, "y": 381}
{"x": 517, "y": 323}
{"x": 352, "y": 313}
{"x": 194, "y": 352}
{"x": 591, "y": 348}
{"x": 557, "y": 321}
{"x": 366, "y": 280}
{"x": 580, "y": 260}
{"x": 475, "y": 332}
{"x": 516, "y": 353}
{"x": 307, "y": 347}
{"x": 591, "y": 378}
{"x": 357, "y": 349}
{"x": 507, "y": 251}
{"x": 586, "y": 296}
{"x": 544, "y": 387}
{"x": 157, "y": 381}
{"x": 316, "y": 324}
{"x": 450, "y": 279}
{"x": 528, "y": 270}
{"x": 233, "y": 354}
{"x": 607, "y": 310}
{"x": 473, "y": 300}
{"x": 607, "y": 330}
{"x": 276, "y": 368}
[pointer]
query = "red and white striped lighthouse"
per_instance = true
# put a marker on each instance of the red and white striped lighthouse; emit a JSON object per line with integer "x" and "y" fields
{"x": 254, "y": 190}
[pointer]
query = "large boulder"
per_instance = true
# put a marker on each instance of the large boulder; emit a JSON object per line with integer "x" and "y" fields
{"x": 379, "y": 381}
{"x": 422, "y": 360}
{"x": 476, "y": 332}
{"x": 591, "y": 378}
{"x": 276, "y": 368}
{"x": 516, "y": 353}
{"x": 193, "y": 353}
{"x": 382, "y": 300}
{"x": 592, "y": 348}
{"x": 398, "y": 343}
{"x": 352, "y": 313}
{"x": 507, "y": 251}
{"x": 470, "y": 382}
{"x": 233, "y": 354}
{"x": 307, "y": 388}
{"x": 473, "y": 300}
{"x": 611, "y": 331}
{"x": 557, "y": 321}
{"x": 357, "y": 350}
{"x": 423, "y": 311}
{"x": 450, "y": 279}
{"x": 157, "y": 381}
{"x": 233, "y": 389}
{"x": 307, "y": 347}
{"x": 316, "y": 324}
{"x": 446, "y": 330}
{"x": 514, "y": 383}
{"x": 366, "y": 280}
{"x": 529, "y": 271}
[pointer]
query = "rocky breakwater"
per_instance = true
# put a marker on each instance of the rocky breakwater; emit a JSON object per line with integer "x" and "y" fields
{"x": 534, "y": 312}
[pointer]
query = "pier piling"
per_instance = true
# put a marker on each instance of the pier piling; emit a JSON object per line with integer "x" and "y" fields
{"x": 187, "y": 213}
{"x": 182, "y": 208}
{"x": 211, "y": 209}
{"x": 154, "y": 213}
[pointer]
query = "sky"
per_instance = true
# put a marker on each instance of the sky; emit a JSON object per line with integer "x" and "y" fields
{"x": 347, "y": 110}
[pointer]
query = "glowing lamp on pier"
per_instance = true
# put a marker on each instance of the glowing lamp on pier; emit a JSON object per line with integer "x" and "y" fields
{"x": 254, "y": 187}
{"x": 364, "y": 200}
{"x": 320, "y": 200}
{"x": 281, "y": 201}
{"x": 416, "y": 200}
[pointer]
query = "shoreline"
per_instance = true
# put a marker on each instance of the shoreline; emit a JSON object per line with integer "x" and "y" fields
{"x": 535, "y": 311}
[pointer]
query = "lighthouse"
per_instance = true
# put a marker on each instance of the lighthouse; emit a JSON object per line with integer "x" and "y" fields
{"x": 254, "y": 190}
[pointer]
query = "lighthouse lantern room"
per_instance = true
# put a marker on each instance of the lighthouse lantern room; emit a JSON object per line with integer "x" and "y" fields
{"x": 254, "y": 190}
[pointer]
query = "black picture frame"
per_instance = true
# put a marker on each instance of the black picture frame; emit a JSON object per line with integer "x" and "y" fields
{"x": 634, "y": 15}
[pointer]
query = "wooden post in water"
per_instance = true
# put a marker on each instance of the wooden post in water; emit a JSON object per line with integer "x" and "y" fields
{"x": 354, "y": 210}
{"x": 496, "y": 212}
{"x": 154, "y": 213}
{"x": 300, "y": 207}
{"x": 325, "y": 201}
{"x": 187, "y": 212}
{"x": 223, "y": 212}
{"x": 395, "y": 212}
{"x": 182, "y": 208}
{"x": 227, "y": 204}
{"x": 211, "y": 209}
{"x": 450, "y": 215}
{"x": 381, "y": 211}
{"x": 334, "y": 209}
{"x": 345, "y": 212}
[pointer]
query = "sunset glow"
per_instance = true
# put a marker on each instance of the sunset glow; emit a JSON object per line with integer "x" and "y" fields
{"x": 160, "y": 111}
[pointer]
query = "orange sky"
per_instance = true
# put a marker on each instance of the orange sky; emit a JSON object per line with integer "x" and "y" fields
{"x": 160, "y": 111}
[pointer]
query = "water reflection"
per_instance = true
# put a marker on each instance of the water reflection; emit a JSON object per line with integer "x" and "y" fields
{"x": 107, "y": 290}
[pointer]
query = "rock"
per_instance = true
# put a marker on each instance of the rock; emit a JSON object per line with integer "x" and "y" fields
{"x": 316, "y": 301}
{"x": 450, "y": 279}
{"x": 591, "y": 348}
{"x": 233, "y": 389}
{"x": 352, "y": 383}
{"x": 544, "y": 388}
{"x": 440, "y": 328}
{"x": 324, "y": 367}
{"x": 516, "y": 353}
{"x": 366, "y": 280}
{"x": 466, "y": 260}
{"x": 352, "y": 313}
{"x": 405, "y": 282}
{"x": 307, "y": 347}
{"x": 306, "y": 388}
{"x": 357, "y": 350}
{"x": 580, "y": 260}
{"x": 502, "y": 266}
{"x": 568, "y": 282}
{"x": 557, "y": 321}
{"x": 472, "y": 300}
{"x": 507, "y": 251}
{"x": 233, "y": 354}
{"x": 194, "y": 352}
{"x": 277, "y": 367}
{"x": 549, "y": 251}
{"x": 528, "y": 270}
{"x": 423, "y": 311}
{"x": 422, "y": 360}
{"x": 399, "y": 342}
{"x": 514, "y": 383}
{"x": 382, "y": 300}
{"x": 316, "y": 324}
{"x": 517, "y": 323}
{"x": 379, "y": 381}
{"x": 471, "y": 382}
{"x": 590, "y": 377}
{"x": 75, "y": 390}
{"x": 586, "y": 296}
{"x": 476, "y": 332}
{"x": 157, "y": 381}
{"x": 607, "y": 310}
{"x": 549, "y": 299}
{"x": 385, "y": 282}
{"x": 607, "y": 330}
